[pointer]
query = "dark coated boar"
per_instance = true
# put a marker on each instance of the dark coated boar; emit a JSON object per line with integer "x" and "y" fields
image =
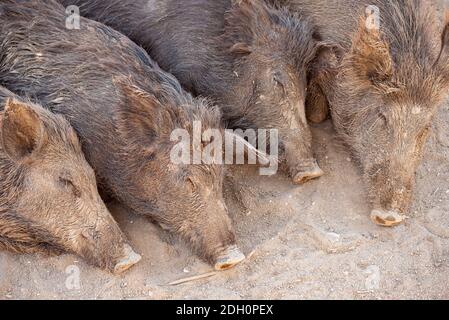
{"x": 124, "y": 108}
{"x": 48, "y": 193}
{"x": 393, "y": 76}
{"x": 251, "y": 58}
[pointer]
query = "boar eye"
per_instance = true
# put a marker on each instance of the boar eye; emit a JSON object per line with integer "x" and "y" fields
{"x": 191, "y": 184}
{"x": 424, "y": 134}
{"x": 67, "y": 183}
{"x": 278, "y": 81}
{"x": 383, "y": 117}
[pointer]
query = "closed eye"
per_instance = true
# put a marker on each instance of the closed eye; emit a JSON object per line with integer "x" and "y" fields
{"x": 382, "y": 119}
{"x": 279, "y": 83}
{"x": 191, "y": 183}
{"x": 424, "y": 134}
{"x": 67, "y": 183}
{"x": 277, "y": 79}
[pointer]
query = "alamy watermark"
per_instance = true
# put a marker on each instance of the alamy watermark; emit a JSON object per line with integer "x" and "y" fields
{"x": 372, "y": 21}
{"x": 72, "y": 281}
{"x": 372, "y": 281}
{"x": 215, "y": 146}
{"x": 73, "y": 19}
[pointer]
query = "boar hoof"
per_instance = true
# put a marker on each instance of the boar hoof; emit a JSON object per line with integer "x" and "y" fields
{"x": 307, "y": 173}
{"x": 130, "y": 259}
{"x": 387, "y": 218}
{"x": 229, "y": 259}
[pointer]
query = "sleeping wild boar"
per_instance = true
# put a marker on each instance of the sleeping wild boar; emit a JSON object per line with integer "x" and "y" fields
{"x": 124, "y": 108}
{"x": 391, "y": 77}
{"x": 253, "y": 59}
{"x": 48, "y": 194}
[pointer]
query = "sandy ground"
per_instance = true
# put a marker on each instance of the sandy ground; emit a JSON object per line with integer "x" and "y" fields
{"x": 308, "y": 242}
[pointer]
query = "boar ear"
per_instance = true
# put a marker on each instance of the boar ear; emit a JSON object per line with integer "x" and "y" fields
{"x": 326, "y": 61}
{"x": 22, "y": 130}
{"x": 370, "y": 58}
{"x": 242, "y": 23}
{"x": 142, "y": 118}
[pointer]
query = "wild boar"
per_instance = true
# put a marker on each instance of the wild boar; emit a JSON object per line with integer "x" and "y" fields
{"x": 392, "y": 76}
{"x": 251, "y": 58}
{"x": 124, "y": 108}
{"x": 48, "y": 194}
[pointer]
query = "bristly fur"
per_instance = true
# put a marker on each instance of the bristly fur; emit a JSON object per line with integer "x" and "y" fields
{"x": 199, "y": 53}
{"x": 401, "y": 61}
{"x": 22, "y": 236}
{"x": 16, "y": 233}
{"x": 386, "y": 91}
{"x": 271, "y": 29}
{"x": 251, "y": 58}
{"x": 124, "y": 109}
{"x": 168, "y": 91}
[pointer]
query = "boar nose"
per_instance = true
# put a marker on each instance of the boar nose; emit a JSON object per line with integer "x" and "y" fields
{"x": 128, "y": 259}
{"x": 386, "y": 218}
{"x": 108, "y": 252}
{"x": 104, "y": 245}
{"x": 229, "y": 258}
{"x": 306, "y": 171}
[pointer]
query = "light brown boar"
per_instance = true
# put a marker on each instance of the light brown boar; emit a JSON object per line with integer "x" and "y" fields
{"x": 385, "y": 90}
{"x": 49, "y": 201}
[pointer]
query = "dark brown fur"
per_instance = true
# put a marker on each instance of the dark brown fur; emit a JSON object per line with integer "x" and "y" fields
{"x": 124, "y": 108}
{"x": 251, "y": 58}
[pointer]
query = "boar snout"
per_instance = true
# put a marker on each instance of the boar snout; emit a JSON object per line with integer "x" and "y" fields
{"x": 227, "y": 255}
{"x": 223, "y": 249}
{"x": 391, "y": 196}
{"x": 387, "y": 218}
{"x": 229, "y": 258}
{"x": 105, "y": 246}
{"x": 301, "y": 163}
{"x": 305, "y": 171}
{"x": 129, "y": 259}
{"x": 211, "y": 233}
{"x": 108, "y": 251}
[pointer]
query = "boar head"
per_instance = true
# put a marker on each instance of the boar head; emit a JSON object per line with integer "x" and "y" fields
{"x": 388, "y": 90}
{"x": 185, "y": 198}
{"x": 274, "y": 51}
{"x": 49, "y": 192}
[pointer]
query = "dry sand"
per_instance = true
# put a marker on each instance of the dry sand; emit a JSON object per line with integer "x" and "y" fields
{"x": 309, "y": 242}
